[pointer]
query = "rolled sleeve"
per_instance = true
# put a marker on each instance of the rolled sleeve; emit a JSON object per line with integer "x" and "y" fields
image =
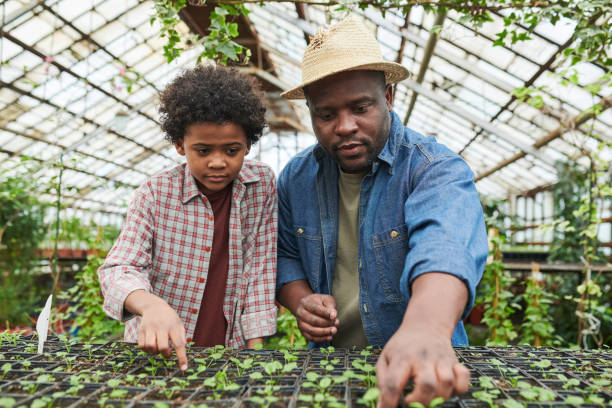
{"x": 289, "y": 270}
{"x": 446, "y": 225}
{"x": 442, "y": 257}
{"x": 258, "y": 324}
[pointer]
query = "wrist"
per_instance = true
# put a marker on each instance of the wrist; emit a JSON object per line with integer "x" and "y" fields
{"x": 141, "y": 301}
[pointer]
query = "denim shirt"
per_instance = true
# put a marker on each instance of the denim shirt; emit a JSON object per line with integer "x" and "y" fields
{"x": 419, "y": 212}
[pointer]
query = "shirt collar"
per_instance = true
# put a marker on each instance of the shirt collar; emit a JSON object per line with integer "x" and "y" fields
{"x": 190, "y": 188}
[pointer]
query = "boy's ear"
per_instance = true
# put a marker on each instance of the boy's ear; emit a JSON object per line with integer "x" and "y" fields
{"x": 180, "y": 147}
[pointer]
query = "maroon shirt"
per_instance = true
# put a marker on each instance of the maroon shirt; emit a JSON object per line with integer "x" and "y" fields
{"x": 211, "y": 326}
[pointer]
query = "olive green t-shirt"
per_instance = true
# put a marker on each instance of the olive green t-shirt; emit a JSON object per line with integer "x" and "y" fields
{"x": 345, "y": 287}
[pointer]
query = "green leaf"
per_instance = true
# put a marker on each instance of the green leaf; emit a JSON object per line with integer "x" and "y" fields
{"x": 512, "y": 403}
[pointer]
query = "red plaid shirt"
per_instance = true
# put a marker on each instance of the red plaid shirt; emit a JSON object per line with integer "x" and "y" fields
{"x": 164, "y": 248}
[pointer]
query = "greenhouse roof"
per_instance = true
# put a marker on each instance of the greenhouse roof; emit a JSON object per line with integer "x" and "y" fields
{"x": 80, "y": 82}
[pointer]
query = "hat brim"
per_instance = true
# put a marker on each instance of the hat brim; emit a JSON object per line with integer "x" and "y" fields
{"x": 393, "y": 73}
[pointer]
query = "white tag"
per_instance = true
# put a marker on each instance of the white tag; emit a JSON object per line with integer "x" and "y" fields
{"x": 42, "y": 325}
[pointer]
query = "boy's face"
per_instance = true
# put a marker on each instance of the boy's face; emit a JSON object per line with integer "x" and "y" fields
{"x": 214, "y": 153}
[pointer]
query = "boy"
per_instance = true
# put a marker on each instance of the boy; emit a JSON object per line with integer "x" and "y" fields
{"x": 196, "y": 258}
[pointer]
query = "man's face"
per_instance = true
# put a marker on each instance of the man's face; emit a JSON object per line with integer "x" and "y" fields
{"x": 214, "y": 153}
{"x": 350, "y": 117}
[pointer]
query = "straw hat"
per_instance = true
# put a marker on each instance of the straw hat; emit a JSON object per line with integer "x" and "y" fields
{"x": 346, "y": 46}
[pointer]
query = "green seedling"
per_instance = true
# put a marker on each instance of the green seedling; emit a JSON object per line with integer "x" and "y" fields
{"x": 67, "y": 358}
{"x": 12, "y": 338}
{"x": 117, "y": 366}
{"x": 6, "y": 367}
{"x": 266, "y": 396}
{"x": 537, "y": 394}
{"x": 220, "y": 382}
{"x": 322, "y": 386}
{"x": 367, "y": 372}
{"x": 31, "y": 348}
{"x": 512, "y": 403}
{"x": 242, "y": 366}
{"x": 370, "y": 397}
{"x": 329, "y": 365}
{"x": 115, "y": 393}
{"x": 288, "y": 356}
{"x": 89, "y": 348}
{"x": 489, "y": 392}
{"x": 434, "y": 403}
{"x": 47, "y": 401}
{"x": 7, "y": 402}
{"x": 68, "y": 342}
{"x": 272, "y": 368}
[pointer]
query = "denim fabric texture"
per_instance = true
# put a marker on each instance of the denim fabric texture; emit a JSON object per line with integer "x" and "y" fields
{"x": 419, "y": 212}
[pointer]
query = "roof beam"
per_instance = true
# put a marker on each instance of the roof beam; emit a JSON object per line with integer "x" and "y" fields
{"x": 576, "y": 122}
{"x": 74, "y": 74}
{"x": 427, "y": 53}
{"x": 82, "y": 117}
{"x": 418, "y": 88}
{"x": 40, "y": 139}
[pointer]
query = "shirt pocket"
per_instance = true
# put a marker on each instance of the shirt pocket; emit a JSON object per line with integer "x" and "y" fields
{"x": 309, "y": 243}
{"x": 390, "y": 250}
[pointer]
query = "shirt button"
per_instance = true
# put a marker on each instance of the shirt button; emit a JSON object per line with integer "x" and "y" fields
{"x": 201, "y": 280}
{"x": 207, "y": 249}
{"x": 211, "y": 217}
{"x": 194, "y": 310}
{"x": 394, "y": 234}
{"x": 188, "y": 339}
{"x": 300, "y": 231}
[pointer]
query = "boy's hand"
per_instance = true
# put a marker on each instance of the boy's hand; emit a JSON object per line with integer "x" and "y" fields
{"x": 159, "y": 323}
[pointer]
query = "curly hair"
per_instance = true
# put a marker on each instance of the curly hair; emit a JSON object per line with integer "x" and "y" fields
{"x": 214, "y": 94}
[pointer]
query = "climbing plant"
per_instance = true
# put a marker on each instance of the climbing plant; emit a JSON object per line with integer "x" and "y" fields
{"x": 22, "y": 228}
{"x": 498, "y": 299}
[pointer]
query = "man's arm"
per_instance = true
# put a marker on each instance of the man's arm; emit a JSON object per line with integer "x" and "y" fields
{"x": 316, "y": 314}
{"x": 448, "y": 250}
{"x": 437, "y": 301}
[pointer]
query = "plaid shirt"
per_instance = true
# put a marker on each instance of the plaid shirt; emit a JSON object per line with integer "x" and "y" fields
{"x": 164, "y": 248}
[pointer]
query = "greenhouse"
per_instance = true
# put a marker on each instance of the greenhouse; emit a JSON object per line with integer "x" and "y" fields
{"x": 293, "y": 203}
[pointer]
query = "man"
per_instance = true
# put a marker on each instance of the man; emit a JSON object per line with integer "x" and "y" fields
{"x": 381, "y": 233}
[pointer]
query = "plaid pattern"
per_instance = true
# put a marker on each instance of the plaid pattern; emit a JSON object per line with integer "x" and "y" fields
{"x": 164, "y": 248}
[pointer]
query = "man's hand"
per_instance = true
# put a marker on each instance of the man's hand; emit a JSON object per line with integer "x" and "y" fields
{"x": 159, "y": 323}
{"x": 421, "y": 349}
{"x": 426, "y": 357}
{"x": 317, "y": 317}
{"x": 316, "y": 314}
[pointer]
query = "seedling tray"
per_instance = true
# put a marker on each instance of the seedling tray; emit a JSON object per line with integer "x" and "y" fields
{"x": 120, "y": 375}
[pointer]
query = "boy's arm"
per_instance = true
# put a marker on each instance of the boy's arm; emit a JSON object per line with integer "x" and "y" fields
{"x": 258, "y": 318}
{"x": 126, "y": 287}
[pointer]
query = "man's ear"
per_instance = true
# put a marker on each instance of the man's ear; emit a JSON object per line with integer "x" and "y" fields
{"x": 248, "y": 149}
{"x": 389, "y": 97}
{"x": 179, "y": 145}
